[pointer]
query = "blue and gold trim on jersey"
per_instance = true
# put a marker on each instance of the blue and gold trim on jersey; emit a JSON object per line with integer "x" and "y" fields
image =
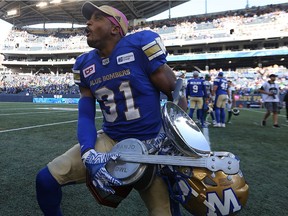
{"x": 154, "y": 49}
{"x": 76, "y": 76}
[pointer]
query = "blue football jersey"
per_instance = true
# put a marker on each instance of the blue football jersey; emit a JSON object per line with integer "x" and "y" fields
{"x": 129, "y": 102}
{"x": 222, "y": 85}
{"x": 196, "y": 88}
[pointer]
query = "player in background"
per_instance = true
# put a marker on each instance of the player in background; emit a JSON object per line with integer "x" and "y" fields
{"x": 231, "y": 101}
{"x": 125, "y": 74}
{"x": 208, "y": 102}
{"x": 182, "y": 92}
{"x": 203, "y": 109}
{"x": 220, "y": 96}
{"x": 196, "y": 92}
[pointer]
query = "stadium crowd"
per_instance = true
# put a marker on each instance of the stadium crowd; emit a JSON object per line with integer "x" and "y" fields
{"x": 13, "y": 83}
{"x": 252, "y": 23}
{"x": 246, "y": 82}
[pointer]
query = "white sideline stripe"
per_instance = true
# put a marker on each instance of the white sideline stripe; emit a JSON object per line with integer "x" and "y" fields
{"x": 63, "y": 109}
{"x": 59, "y": 108}
{"x": 264, "y": 111}
{"x": 38, "y": 126}
{"x": 256, "y": 123}
{"x": 56, "y": 110}
{"x": 17, "y": 109}
{"x": 26, "y": 113}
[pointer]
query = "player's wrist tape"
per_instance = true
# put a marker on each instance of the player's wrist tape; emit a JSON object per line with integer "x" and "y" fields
{"x": 86, "y": 130}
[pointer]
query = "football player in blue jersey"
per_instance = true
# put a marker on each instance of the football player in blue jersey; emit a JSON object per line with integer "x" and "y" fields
{"x": 207, "y": 106}
{"x": 125, "y": 74}
{"x": 220, "y": 95}
{"x": 196, "y": 92}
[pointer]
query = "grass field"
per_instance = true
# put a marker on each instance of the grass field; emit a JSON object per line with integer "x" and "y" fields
{"x": 33, "y": 134}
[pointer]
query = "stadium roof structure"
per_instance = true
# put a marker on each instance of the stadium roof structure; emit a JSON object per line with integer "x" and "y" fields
{"x": 25, "y": 13}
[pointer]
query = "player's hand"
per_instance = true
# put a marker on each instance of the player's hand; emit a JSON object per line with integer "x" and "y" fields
{"x": 154, "y": 145}
{"x": 95, "y": 163}
{"x": 159, "y": 140}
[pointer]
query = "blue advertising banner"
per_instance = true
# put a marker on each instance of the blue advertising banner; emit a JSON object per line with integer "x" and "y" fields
{"x": 56, "y": 100}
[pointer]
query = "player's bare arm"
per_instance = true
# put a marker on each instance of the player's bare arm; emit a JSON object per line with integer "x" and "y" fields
{"x": 85, "y": 92}
{"x": 164, "y": 80}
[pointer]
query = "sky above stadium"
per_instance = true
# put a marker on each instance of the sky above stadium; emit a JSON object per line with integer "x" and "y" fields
{"x": 195, "y": 7}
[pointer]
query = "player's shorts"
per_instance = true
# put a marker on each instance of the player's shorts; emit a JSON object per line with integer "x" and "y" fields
{"x": 272, "y": 106}
{"x": 196, "y": 101}
{"x": 69, "y": 167}
{"x": 221, "y": 101}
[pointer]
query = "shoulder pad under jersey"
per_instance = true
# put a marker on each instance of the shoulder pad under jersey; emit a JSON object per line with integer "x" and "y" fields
{"x": 80, "y": 60}
{"x": 149, "y": 41}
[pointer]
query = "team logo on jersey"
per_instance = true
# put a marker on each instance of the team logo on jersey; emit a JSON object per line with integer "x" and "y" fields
{"x": 128, "y": 57}
{"x": 89, "y": 70}
{"x": 105, "y": 61}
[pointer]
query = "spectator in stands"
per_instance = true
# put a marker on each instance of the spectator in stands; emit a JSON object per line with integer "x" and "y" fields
{"x": 130, "y": 73}
{"x": 270, "y": 95}
{"x": 38, "y": 84}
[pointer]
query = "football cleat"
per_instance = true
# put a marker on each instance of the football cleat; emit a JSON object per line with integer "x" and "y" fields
{"x": 217, "y": 125}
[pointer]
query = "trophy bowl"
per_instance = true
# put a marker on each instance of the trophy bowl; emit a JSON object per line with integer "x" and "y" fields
{"x": 183, "y": 132}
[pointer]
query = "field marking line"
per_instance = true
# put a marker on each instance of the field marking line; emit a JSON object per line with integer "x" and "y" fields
{"x": 38, "y": 126}
{"x": 53, "y": 108}
{"x": 32, "y": 108}
{"x": 58, "y": 108}
{"x": 264, "y": 111}
{"x": 9, "y": 109}
{"x": 26, "y": 113}
{"x": 256, "y": 123}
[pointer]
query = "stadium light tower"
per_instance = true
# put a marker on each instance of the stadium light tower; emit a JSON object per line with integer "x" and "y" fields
{"x": 169, "y": 9}
{"x": 247, "y": 4}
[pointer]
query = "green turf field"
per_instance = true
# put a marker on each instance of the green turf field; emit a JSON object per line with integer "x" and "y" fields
{"x": 33, "y": 134}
